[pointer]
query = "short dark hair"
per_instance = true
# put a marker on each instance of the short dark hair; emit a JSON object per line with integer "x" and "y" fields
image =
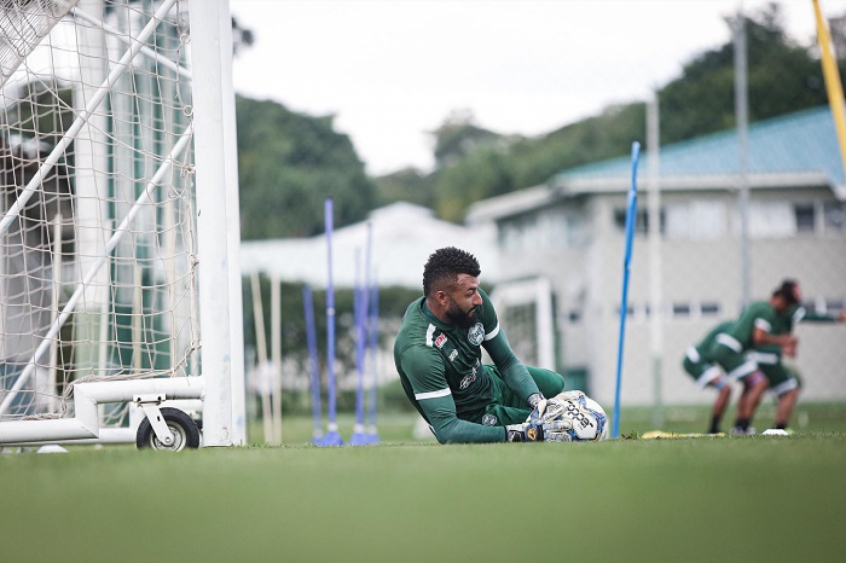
{"x": 787, "y": 291}
{"x": 445, "y": 264}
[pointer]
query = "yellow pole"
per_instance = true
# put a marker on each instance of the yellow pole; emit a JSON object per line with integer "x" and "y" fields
{"x": 832, "y": 81}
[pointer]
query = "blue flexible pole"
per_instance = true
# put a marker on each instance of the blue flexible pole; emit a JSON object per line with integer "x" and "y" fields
{"x": 631, "y": 220}
{"x": 332, "y": 438}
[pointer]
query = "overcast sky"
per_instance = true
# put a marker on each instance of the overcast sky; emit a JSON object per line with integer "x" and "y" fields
{"x": 392, "y": 70}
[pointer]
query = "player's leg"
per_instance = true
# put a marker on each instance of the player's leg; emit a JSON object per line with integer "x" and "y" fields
{"x": 785, "y": 383}
{"x": 754, "y": 387}
{"x": 549, "y": 382}
{"x": 706, "y": 374}
{"x": 508, "y": 408}
{"x": 720, "y": 405}
{"x": 740, "y": 368}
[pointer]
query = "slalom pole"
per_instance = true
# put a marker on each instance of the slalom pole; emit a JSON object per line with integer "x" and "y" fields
{"x": 314, "y": 368}
{"x": 359, "y": 438}
{"x": 373, "y": 327}
{"x": 631, "y": 220}
{"x": 332, "y": 437}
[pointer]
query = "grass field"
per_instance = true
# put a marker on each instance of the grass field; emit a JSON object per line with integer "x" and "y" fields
{"x": 704, "y": 499}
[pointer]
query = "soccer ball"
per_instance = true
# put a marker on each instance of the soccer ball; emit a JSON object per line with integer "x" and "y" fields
{"x": 598, "y": 413}
{"x": 589, "y": 423}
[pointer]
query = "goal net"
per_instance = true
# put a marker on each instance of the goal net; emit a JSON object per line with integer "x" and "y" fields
{"x": 98, "y": 235}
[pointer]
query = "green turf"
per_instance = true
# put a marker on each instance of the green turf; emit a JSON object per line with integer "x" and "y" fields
{"x": 707, "y": 499}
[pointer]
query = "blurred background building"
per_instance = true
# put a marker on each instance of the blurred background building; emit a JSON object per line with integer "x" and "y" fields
{"x": 569, "y": 232}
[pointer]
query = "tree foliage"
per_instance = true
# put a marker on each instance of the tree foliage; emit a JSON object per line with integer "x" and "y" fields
{"x": 288, "y": 165}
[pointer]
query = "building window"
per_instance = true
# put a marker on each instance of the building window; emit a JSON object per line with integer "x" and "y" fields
{"x": 629, "y": 310}
{"x": 681, "y": 310}
{"x": 805, "y": 217}
{"x": 771, "y": 219}
{"x": 710, "y": 309}
{"x": 834, "y": 217}
{"x": 641, "y": 221}
{"x": 697, "y": 219}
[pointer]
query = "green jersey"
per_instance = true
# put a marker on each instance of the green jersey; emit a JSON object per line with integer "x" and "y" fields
{"x": 440, "y": 367}
{"x": 794, "y": 315}
{"x": 760, "y": 314}
{"x": 784, "y": 324}
{"x": 705, "y": 345}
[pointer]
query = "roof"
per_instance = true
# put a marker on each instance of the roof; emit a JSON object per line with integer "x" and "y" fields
{"x": 794, "y": 150}
{"x": 801, "y": 145}
{"x": 404, "y": 235}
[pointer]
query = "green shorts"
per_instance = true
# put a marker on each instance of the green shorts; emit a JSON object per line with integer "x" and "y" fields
{"x": 704, "y": 373}
{"x": 782, "y": 378}
{"x": 507, "y": 407}
{"x": 735, "y": 363}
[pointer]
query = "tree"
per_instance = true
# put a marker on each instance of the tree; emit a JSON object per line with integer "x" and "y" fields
{"x": 288, "y": 165}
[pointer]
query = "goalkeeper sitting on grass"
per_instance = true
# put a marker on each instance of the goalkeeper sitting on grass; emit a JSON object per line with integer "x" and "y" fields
{"x": 438, "y": 355}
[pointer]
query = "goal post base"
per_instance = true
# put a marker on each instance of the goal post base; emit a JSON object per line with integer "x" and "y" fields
{"x": 84, "y": 427}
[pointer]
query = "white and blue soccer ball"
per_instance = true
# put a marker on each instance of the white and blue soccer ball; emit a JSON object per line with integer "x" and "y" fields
{"x": 598, "y": 413}
{"x": 590, "y": 423}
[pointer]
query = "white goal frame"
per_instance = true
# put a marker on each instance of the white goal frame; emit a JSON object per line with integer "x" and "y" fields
{"x": 219, "y": 389}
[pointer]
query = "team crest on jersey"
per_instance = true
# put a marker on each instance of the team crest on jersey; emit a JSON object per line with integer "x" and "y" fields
{"x": 467, "y": 380}
{"x": 452, "y": 355}
{"x": 476, "y": 334}
{"x": 490, "y": 420}
{"x": 440, "y": 340}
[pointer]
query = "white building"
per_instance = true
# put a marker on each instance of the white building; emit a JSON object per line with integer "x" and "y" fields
{"x": 404, "y": 235}
{"x": 569, "y": 233}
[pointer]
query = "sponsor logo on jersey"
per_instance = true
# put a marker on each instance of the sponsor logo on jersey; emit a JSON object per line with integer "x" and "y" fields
{"x": 489, "y": 420}
{"x": 453, "y": 354}
{"x": 467, "y": 380}
{"x": 440, "y": 340}
{"x": 476, "y": 334}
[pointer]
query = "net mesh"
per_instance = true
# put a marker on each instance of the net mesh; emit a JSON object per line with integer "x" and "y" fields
{"x": 97, "y": 266}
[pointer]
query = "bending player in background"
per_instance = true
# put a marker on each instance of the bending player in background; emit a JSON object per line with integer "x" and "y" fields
{"x": 709, "y": 374}
{"x": 784, "y": 380}
{"x": 761, "y": 324}
{"x": 438, "y": 355}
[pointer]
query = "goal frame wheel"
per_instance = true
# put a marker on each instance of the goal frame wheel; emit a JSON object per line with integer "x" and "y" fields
{"x": 185, "y": 432}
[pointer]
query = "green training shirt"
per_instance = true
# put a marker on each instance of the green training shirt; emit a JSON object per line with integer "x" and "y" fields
{"x": 759, "y": 314}
{"x": 440, "y": 367}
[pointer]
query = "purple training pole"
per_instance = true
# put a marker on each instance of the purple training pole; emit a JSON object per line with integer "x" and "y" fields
{"x": 332, "y": 438}
{"x": 313, "y": 366}
{"x": 373, "y": 327}
{"x": 358, "y": 437}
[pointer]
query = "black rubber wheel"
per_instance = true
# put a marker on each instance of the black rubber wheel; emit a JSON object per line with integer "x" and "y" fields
{"x": 184, "y": 430}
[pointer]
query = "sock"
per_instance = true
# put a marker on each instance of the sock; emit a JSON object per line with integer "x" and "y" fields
{"x": 781, "y": 426}
{"x": 742, "y": 423}
{"x": 715, "y": 425}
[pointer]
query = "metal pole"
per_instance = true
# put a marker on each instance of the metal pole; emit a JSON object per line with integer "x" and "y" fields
{"x": 656, "y": 320}
{"x": 741, "y": 105}
{"x": 212, "y": 221}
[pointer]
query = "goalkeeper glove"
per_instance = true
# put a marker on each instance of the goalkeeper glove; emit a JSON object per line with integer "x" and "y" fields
{"x": 523, "y": 433}
{"x": 534, "y": 399}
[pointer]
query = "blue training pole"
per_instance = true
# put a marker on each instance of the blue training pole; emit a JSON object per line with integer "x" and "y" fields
{"x": 373, "y": 327}
{"x": 359, "y": 438}
{"x": 332, "y": 438}
{"x": 313, "y": 366}
{"x": 631, "y": 220}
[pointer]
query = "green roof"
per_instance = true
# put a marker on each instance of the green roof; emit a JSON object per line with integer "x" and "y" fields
{"x": 795, "y": 143}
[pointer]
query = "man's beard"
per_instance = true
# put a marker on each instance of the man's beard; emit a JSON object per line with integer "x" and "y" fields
{"x": 460, "y": 318}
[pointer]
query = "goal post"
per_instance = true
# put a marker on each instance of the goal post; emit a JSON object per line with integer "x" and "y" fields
{"x": 119, "y": 277}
